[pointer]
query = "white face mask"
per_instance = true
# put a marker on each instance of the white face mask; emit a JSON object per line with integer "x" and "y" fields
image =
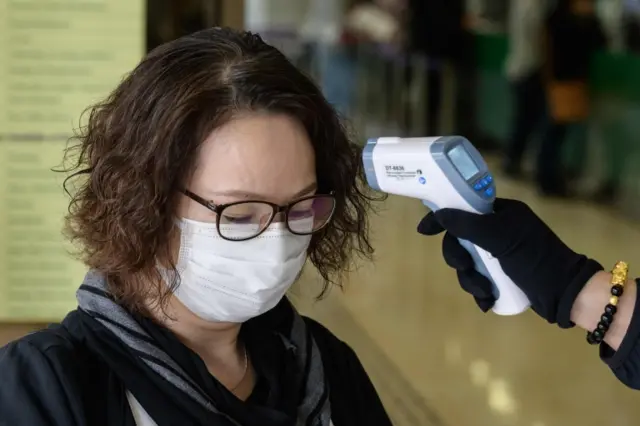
{"x": 234, "y": 281}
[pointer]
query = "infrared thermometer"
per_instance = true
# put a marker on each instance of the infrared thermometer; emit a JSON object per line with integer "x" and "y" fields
{"x": 444, "y": 172}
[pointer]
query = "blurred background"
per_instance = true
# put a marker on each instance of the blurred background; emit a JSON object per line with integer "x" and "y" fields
{"x": 549, "y": 90}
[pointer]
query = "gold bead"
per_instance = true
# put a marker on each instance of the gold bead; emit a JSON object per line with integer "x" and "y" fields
{"x": 620, "y": 273}
{"x": 614, "y": 300}
{"x": 622, "y": 265}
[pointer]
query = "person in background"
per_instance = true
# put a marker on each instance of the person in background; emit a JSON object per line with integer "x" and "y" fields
{"x": 524, "y": 71}
{"x": 396, "y": 60}
{"x": 435, "y": 31}
{"x": 616, "y": 17}
{"x": 632, "y": 30}
{"x": 376, "y": 25}
{"x": 573, "y": 35}
{"x": 443, "y": 32}
{"x": 331, "y": 50}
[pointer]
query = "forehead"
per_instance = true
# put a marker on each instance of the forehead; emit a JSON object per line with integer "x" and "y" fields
{"x": 269, "y": 155}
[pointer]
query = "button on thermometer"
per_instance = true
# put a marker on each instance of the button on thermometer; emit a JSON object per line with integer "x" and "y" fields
{"x": 444, "y": 172}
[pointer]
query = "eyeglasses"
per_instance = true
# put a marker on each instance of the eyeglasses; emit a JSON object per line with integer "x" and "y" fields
{"x": 302, "y": 217}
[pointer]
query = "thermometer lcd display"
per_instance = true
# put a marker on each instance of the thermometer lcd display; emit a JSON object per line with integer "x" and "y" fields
{"x": 463, "y": 162}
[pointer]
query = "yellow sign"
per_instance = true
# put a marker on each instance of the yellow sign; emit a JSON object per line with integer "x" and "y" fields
{"x": 57, "y": 57}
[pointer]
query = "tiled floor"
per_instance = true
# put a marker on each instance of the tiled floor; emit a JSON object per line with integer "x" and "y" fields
{"x": 437, "y": 360}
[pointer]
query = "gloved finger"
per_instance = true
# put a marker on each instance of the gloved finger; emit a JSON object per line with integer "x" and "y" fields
{"x": 429, "y": 225}
{"x": 485, "y": 304}
{"x": 501, "y": 205}
{"x": 482, "y": 230}
{"x": 455, "y": 255}
{"x": 475, "y": 284}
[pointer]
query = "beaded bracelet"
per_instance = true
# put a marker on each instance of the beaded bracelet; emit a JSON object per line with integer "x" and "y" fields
{"x": 620, "y": 273}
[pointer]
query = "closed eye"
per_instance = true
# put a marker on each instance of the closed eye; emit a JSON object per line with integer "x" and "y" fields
{"x": 238, "y": 219}
{"x": 300, "y": 214}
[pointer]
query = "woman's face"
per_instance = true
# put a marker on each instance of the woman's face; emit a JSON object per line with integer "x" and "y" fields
{"x": 257, "y": 156}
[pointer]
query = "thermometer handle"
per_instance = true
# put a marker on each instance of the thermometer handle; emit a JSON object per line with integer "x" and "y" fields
{"x": 510, "y": 300}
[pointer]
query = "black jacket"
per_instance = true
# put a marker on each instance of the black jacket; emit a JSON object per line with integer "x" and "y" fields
{"x": 49, "y": 378}
{"x": 435, "y": 28}
{"x": 625, "y": 362}
{"x": 572, "y": 42}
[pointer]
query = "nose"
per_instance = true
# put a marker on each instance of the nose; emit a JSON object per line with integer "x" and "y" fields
{"x": 279, "y": 217}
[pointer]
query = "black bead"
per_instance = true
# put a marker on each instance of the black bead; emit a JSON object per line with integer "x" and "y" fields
{"x": 598, "y": 335}
{"x": 603, "y": 326}
{"x": 617, "y": 290}
{"x": 611, "y": 309}
{"x": 591, "y": 340}
{"x": 606, "y": 318}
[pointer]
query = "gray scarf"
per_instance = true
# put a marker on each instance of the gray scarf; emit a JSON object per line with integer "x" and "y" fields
{"x": 314, "y": 409}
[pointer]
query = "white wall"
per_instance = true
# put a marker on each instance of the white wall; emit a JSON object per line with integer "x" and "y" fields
{"x": 286, "y": 24}
{"x": 315, "y": 19}
{"x": 286, "y": 15}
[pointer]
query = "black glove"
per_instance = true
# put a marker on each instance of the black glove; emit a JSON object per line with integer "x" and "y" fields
{"x": 547, "y": 271}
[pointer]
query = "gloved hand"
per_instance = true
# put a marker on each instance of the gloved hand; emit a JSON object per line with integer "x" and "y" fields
{"x": 547, "y": 271}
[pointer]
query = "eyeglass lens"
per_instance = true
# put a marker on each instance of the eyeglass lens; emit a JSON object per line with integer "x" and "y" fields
{"x": 305, "y": 216}
{"x": 319, "y": 209}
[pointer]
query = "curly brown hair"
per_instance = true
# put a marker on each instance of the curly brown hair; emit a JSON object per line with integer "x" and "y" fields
{"x": 135, "y": 153}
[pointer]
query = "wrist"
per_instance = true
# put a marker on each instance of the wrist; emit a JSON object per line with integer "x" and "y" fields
{"x": 592, "y": 298}
{"x": 590, "y": 303}
{"x": 585, "y": 270}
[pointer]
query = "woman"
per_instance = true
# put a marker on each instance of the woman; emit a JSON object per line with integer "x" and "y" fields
{"x": 574, "y": 34}
{"x": 204, "y": 182}
{"x": 564, "y": 287}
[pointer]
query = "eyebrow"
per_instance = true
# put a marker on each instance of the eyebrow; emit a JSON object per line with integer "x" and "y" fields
{"x": 247, "y": 194}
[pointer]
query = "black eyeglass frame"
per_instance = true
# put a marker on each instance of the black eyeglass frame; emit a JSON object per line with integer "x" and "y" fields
{"x": 218, "y": 208}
